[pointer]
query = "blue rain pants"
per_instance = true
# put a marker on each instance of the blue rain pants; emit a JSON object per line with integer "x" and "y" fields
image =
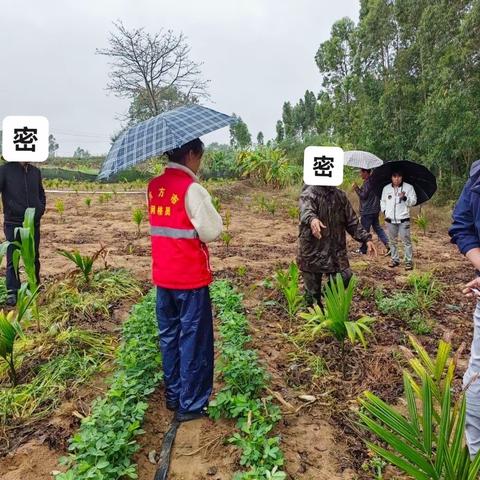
{"x": 186, "y": 341}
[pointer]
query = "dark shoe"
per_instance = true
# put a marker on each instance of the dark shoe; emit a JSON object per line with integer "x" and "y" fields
{"x": 388, "y": 252}
{"x": 11, "y": 300}
{"x": 188, "y": 416}
{"x": 393, "y": 264}
{"x": 409, "y": 266}
{"x": 172, "y": 406}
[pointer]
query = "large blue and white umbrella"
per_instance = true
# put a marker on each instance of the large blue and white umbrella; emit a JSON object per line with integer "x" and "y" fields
{"x": 159, "y": 134}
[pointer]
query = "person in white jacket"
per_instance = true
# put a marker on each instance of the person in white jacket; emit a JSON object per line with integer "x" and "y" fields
{"x": 397, "y": 198}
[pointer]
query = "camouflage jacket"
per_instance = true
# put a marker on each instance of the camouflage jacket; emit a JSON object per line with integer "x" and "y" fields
{"x": 332, "y": 207}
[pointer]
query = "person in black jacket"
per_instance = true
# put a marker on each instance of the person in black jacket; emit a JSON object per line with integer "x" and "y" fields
{"x": 21, "y": 187}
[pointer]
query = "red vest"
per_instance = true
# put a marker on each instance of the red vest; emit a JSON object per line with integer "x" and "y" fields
{"x": 179, "y": 259}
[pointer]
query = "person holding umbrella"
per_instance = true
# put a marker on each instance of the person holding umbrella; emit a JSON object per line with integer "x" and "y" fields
{"x": 369, "y": 200}
{"x": 397, "y": 198}
{"x": 182, "y": 220}
{"x": 401, "y": 185}
{"x": 370, "y": 209}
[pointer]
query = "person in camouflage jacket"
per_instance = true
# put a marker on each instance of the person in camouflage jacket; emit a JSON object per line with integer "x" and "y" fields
{"x": 326, "y": 215}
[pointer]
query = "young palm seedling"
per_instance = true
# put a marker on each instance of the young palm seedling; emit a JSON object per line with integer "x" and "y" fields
{"x": 84, "y": 263}
{"x": 334, "y": 319}
{"x": 422, "y": 222}
{"x": 427, "y": 441}
{"x": 60, "y": 208}
{"x": 288, "y": 283}
{"x": 88, "y": 202}
{"x": 138, "y": 216}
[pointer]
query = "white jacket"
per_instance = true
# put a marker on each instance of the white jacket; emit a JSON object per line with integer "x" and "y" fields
{"x": 394, "y": 208}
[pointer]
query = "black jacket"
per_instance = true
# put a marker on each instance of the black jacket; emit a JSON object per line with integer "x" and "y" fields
{"x": 21, "y": 188}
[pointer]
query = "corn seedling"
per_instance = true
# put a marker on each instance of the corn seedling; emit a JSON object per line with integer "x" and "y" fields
{"x": 24, "y": 250}
{"x": 10, "y": 329}
{"x": 422, "y": 222}
{"x": 334, "y": 319}
{"x": 426, "y": 442}
{"x": 60, "y": 208}
{"x": 288, "y": 284}
{"x": 137, "y": 216}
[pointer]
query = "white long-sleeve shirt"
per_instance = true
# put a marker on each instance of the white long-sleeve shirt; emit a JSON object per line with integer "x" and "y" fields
{"x": 391, "y": 204}
{"x": 200, "y": 210}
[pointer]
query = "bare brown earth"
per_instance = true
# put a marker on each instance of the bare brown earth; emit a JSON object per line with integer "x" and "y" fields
{"x": 320, "y": 441}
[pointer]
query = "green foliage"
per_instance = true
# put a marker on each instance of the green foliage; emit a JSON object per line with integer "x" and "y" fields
{"x": 88, "y": 201}
{"x": 60, "y": 207}
{"x": 422, "y": 222}
{"x": 226, "y": 238}
{"x": 216, "y": 202}
{"x": 75, "y": 355}
{"x": 288, "y": 284}
{"x": 335, "y": 318}
{"x": 244, "y": 380}
{"x": 105, "y": 443}
{"x": 269, "y": 165}
{"x": 426, "y": 442}
{"x": 138, "y": 215}
{"x": 239, "y": 135}
{"x": 294, "y": 213}
{"x": 84, "y": 263}
{"x": 219, "y": 164}
{"x": 9, "y": 331}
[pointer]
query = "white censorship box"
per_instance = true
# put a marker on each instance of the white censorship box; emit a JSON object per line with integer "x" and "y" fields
{"x": 25, "y": 138}
{"x": 323, "y": 166}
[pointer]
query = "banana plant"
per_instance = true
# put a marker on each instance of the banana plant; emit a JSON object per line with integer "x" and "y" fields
{"x": 426, "y": 443}
{"x": 335, "y": 317}
{"x": 10, "y": 328}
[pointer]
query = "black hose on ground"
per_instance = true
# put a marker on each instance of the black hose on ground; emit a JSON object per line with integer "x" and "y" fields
{"x": 165, "y": 452}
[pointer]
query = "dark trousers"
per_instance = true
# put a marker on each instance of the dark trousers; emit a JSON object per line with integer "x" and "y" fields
{"x": 372, "y": 221}
{"x": 186, "y": 342}
{"x": 313, "y": 284}
{"x": 12, "y": 278}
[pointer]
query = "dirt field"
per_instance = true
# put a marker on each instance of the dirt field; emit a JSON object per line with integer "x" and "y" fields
{"x": 319, "y": 441}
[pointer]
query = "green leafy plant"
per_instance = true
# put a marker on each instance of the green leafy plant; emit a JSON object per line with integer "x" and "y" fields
{"x": 244, "y": 380}
{"x": 226, "y": 238}
{"x": 422, "y": 222}
{"x": 426, "y": 442}
{"x": 216, "y": 202}
{"x": 84, "y": 263}
{"x": 10, "y": 328}
{"x": 293, "y": 212}
{"x": 138, "y": 216}
{"x": 288, "y": 283}
{"x": 334, "y": 319}
{"x": 60, "y": 208}
{"x": 88, "y": 202}
{"x": 104, "y": 445}
{"x": 241, "y": 270}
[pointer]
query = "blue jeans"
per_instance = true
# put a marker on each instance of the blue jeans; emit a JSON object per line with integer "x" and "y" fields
{"x": 186, "y": 341}
{"x": 372, "y": 221}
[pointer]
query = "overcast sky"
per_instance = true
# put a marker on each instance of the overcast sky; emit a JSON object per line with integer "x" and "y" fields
{"x": 257, "y": 54}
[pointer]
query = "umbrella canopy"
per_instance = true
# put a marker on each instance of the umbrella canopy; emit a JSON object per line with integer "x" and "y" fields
{"x": 159, "y": 134}
{"x": 420, "y": 177}
{"x": 361, "y": 159}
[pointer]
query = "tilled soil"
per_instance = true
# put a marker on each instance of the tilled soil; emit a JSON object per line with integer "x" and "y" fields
{"x": 320, "y": 440}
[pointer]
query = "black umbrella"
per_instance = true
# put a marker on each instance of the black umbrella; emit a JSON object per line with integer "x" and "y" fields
{"x": 420, "y": 177}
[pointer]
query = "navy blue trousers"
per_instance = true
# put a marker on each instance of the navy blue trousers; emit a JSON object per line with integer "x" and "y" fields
{"x": 186, "y": 341}
{"x": 372, "y": 221}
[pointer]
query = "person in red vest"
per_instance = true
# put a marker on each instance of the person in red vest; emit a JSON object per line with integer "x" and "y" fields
{"x": 182, "y": 220}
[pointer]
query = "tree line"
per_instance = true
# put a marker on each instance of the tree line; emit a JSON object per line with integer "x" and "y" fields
{"x": 403, "y": 82}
